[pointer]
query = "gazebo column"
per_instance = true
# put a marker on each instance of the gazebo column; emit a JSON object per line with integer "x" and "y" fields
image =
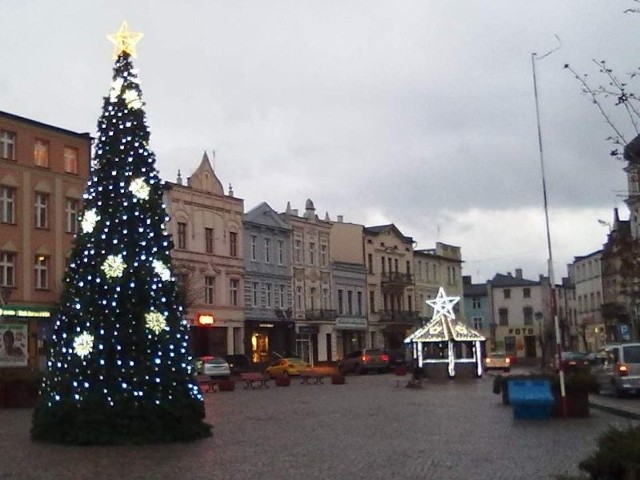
{"x": 478, "y": 357}
{"x": 452, "y": 359}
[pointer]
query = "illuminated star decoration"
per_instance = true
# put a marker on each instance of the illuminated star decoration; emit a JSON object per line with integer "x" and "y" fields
{"x": 89, "y": 220}
{"x": 443, "y": 305}
{"x": 155, "y": 321}
{"x": 113, "y": 266}
{"x": 124, "y": 40}
{"x": 83, "y": 344}
{"x": 140, "y": 188}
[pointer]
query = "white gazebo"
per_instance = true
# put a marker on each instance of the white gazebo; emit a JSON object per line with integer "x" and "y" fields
{"x": 443, "y": 330}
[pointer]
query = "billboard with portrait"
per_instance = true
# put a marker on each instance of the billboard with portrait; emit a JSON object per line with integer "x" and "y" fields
{"x": 13, "y": 347}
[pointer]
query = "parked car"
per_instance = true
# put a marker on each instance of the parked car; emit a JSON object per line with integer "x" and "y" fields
{"x": 364, "y": 361}
{"x": 575, "y": 361}
{"x": 214, "y": 367}
{"x": 238, "y": 363}
{"x": 497, "y": 361}
{"x": 287, "y": 366}
{"x": 397, "y": 358}
{"x": 617, "y": 370}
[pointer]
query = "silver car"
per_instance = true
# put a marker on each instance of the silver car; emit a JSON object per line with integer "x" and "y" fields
{"x": 215, "y": 367}
{"x": 617, "y": 369}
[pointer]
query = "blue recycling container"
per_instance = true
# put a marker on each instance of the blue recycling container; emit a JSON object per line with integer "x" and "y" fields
{"x": 531, "y": 399}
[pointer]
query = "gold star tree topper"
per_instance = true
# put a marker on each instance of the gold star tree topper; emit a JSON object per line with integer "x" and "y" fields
{"x": 124, "y": 40}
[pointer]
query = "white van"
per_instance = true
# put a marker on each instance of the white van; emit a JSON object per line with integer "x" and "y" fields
{"x": 617, "y": 369}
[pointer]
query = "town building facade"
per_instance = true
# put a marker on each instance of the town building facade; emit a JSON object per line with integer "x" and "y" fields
{"x": 585, "y": 274}
{"x": 268, "y": 321}
{"x": 207, "y": 255}
{"x": 43, "y": 174}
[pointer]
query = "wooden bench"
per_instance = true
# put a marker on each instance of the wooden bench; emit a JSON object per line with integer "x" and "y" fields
{"x": 309, "y": 377}
{"x": 254, "y": 380}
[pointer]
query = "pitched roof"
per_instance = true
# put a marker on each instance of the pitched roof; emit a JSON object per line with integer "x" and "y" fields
{"x": 501, "y": 280}
{"x": 378, "y": 229}
{"x": 442, "y": 329}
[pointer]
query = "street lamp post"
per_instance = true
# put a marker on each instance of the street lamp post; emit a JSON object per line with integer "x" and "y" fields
{"x": 552, "y": 292}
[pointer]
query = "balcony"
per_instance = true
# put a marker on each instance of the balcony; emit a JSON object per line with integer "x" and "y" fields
{"x": 399, "y": 316}
{"x": 320, "y": 315}
{"x": 396, "y": 280}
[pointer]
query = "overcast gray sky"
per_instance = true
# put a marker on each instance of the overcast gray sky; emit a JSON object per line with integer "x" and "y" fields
{"x": 419, "y": 113}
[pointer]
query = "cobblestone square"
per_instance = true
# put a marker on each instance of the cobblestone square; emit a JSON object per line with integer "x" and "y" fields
{"x": 369, "y": 428}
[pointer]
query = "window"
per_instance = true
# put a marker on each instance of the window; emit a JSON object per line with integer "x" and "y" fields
{"x": 280, "y": 252}
{"x": 254, "y": 241}
{"x": 299, "y": 298}
{"x": 349, "y": 302}
{"x": 340, "y": 302}
{"x": 506, "y": 293}
{"x": 323, "y": 255}
{"x": 41, "y": 272}
{"x": 71, "y": 215}
{"x": 527, "y": 313}
{"x": 325, "y": 298}
{"x": 209, "y": 290}
{"x": 7, "y": 204}
{"x": 383, "y": 265}
{"x": 370, "y": 262}
{"x": 182, "y": 235}
{"x": 41, "y": 210}
{"x": 395, "y": 264}
{"x": 234, "y": 285}
{"x": 233, "y": 246}
{"x": 312, "y": 253}
{"x": 7, "y": 269}
{"x": 372, "y": 302}
{"x": 408, "y": 267}
{"x": 297, "y": 249}
{"x": 208, "y": 240}
{"x": 269, "y": 295}
{"x": 503, "y": 315}
{"x": 312, "y": 297}
{"x": 267, "y": 250}
{"x": 41, "y": 153}
{"x": 7, "y": 144}
{"x": 281, "y": 290}
{"x": 255, "y": 287}
{"x": 359, "y": 303}
{"x": 477, "y": 323}
{"x": 71, "y": 160}
{"x": 476, "y": 304}
{"x": 526, "y": 292}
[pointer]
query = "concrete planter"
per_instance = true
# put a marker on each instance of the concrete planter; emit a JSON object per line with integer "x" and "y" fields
{"x": 226, "y": 385}
{"x": 282, "y": 381}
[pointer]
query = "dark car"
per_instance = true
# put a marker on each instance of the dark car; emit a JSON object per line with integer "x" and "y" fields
{"x": 238, "y": 363}
{"x": 573, "y": 361}
{"x": 364, "y": 361}
{"x": 397, "y": 358}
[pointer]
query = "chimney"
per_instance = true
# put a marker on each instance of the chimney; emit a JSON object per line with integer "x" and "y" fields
{"x": 340, "y": 218}
{"x": 518, "y": 273}
{"x": 179, "y": 181}
{"x": 466, "y": 280}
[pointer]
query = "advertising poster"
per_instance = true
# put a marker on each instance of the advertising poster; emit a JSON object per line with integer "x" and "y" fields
{"x": 13, "y": 348}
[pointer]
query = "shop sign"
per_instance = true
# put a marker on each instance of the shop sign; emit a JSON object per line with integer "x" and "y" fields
{"x": 521, "y": 331}
{"x": 266, "y": 325}
{"x": 25, "y": 312}
{"x": 351, "y": 322}
{"x": 206, "y": 319}
{"x": 307, "y": 330}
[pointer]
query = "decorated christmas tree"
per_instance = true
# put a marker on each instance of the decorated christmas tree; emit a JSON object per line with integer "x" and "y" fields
{"x": 119, "y": 369}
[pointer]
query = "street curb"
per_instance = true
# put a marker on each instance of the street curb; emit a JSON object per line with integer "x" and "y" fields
{"x": 616, "y": 411}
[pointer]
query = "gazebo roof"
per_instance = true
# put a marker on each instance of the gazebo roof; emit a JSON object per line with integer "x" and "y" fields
{"x": 442, "y": 329}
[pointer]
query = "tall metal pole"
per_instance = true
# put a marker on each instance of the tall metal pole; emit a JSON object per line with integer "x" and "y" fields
{"x": 552, "y": 285}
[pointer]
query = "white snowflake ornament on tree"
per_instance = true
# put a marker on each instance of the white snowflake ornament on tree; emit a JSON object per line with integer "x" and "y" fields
{"x": 113, "y": 266}
{"x": 116, "y": 88}
{"x": 162, "y": 270}
{"x": 155, "y": 321}
{"x": 83, "y": 344}
{"x": 140, "y": 188}
{"x": 132, "y": 99}
{"x": 89, "y": 220}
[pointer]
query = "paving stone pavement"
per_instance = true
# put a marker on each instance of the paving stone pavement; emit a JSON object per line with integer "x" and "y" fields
{"x": 369, "y": 428}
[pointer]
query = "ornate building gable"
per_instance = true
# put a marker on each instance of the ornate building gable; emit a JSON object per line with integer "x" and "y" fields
{"x": 204, "y": 178}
